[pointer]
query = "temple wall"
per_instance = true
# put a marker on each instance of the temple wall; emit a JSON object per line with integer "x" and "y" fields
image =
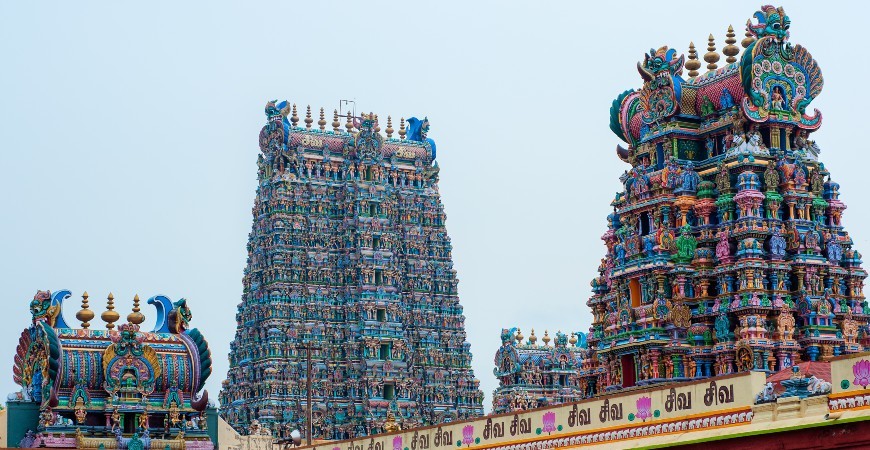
{"x": 717, "y": 402}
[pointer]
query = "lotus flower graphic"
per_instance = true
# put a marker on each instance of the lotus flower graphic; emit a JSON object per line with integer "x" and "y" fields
{"x": 549, "y": 422}
{"x": 861, "y": 370}
{"x": 397, "y": 443}
{"x": 468, "y": 435}
{"x": 644, "y": 408}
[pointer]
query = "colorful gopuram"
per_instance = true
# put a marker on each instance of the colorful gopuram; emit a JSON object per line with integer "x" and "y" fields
{"x": 726, "y": 251}
{"x": 115, "y": 388}
{"x": 349, "y": 267}
{"x": 532, "y": 375}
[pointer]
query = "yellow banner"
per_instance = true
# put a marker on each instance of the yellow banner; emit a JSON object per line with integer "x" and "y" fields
{"x": 663, "y": 403}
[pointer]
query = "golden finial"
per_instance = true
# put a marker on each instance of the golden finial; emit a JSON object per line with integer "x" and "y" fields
{"x": 573, "y": 340}
{"x": 377, "y": 125}
{"x": 546, "y": 338}
{"x": 402, "y": 128}
{"x": 294, "y": 119}
{"x": 533, "y": 338}
{"x": 309, "y": 120}
{"x": 693, "y": 64}
{"x": 85, "y": 315}
{"x": 711, "y": 56}
{"x": 336, "y": 125}
{"x": 136, "y": 317}
{"x": 322, "y": 122}
{"x": 349, "y": 124}
{"x": 110, "y": 316}
{"x": 730, "y": 50}
{"x": 389, "y": 127}
{"x": 749, "y": 39}
{"x": 519, "y": 336}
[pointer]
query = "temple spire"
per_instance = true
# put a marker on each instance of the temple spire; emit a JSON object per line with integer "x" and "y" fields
{"x": 693, "y": 64}
{"x": 110, "y": 316}
{"x": 349, "y": 124}
{"x": 85, "y": 315}
{"x": 136, "y": 317}
{"x": 711, "y": 56}
{"x": 730, "y": 50}
{"x": 336, "y": 125}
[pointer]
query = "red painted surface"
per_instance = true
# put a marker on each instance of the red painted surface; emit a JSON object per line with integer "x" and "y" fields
{"x": 628, "y": 375}
{"x": 855, "y": 435}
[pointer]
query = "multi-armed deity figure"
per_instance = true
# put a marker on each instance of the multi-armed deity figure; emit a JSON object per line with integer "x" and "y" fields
{"x": 349, "y": 262}
{"x": 115, "y": 388}
{"x": 725, "y": 251}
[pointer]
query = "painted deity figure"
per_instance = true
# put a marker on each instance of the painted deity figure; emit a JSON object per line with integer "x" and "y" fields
{"x": 723, "y": 178}
{"x": 723, "y": 247}
{"x": 776, "y": 99}
{"x": 726, "y": 101}
{"x": 771, "y": 177}
{"x": 835, "y": 250}
{"x": 686, "y": 245}
{"x": 690, "y": 178}
{"x": 777, "y": 243}
{"x": 671, "y": 174}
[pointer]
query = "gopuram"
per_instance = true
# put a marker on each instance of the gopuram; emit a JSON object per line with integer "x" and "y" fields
{"x": 726, "y": 250}
{"x": 118, "y": 388}
{"x": 350, "y": 295}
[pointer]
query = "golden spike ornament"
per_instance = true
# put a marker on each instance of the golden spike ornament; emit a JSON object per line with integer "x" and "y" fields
{"x": 730, "y": 50}
{"x": 711, "y": 56}
{"x": 693, "y": 64}
{"x": 110, "y": 316}
{"x": 322, "y": 122}
{"x": 85, "y": 315}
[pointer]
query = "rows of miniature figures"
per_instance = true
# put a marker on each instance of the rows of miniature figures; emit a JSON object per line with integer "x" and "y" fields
{"x": 348, "y": 249}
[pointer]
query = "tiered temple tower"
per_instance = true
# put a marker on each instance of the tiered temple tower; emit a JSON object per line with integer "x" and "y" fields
{"x": 725, "y": 251}
{"x": 121, "y": 387}
{"x": 533, "y": 374}
{"x": 349, "y": 259}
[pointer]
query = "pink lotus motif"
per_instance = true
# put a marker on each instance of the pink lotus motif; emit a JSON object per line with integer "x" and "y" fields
{"x": 468, "y": 434}
{"x": 861, "y": 370}
{"x": 549, "y": 422}
{"x": 644, "y": 408}
{"x": 397, "y": 443}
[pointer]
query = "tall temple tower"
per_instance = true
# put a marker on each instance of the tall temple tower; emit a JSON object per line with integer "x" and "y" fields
{"x": 726, "y": 251}
{"x": 349, "y": 262}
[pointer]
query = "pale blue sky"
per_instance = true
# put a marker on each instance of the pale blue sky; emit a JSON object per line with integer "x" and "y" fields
{"x": 128, "y": 138}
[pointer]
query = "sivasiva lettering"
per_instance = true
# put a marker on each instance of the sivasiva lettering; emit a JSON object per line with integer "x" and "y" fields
{"x": 520, "y": 426}
{"x": 678, "y": 402}
{"x": 610, "y": 412}
{"x": 493, "y": 430}
{"x": 579, "y": 417}
{"x": 722, "y": 395}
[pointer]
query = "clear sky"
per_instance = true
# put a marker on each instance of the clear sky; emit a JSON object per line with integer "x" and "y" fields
{"x": 128, "y": 139}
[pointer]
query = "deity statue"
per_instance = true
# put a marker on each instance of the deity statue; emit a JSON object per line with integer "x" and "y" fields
{"x": 723, "y": 247}
{"x": 690, "y": 178}
{"x": 776, "y": 100}
{"x": 726, "y": 101}
{"x": 777, "y": 243}
{"x": 771, "y": 177}
{"x": 686, "y": 245}
{"x": 723, "y": 178}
